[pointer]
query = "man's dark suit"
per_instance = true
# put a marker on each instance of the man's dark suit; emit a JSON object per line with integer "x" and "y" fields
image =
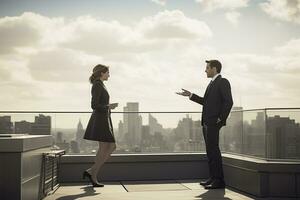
{"x": 217, "y": 103}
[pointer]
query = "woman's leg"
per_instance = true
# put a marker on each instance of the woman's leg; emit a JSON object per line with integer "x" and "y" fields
{"x": 104, "y": 152}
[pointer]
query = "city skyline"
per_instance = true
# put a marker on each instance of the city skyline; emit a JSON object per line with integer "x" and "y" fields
{"x": 265, "y": 135}
{"x": 153, "y": 47}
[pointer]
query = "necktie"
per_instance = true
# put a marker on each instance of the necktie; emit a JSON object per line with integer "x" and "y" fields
{"x": 209, "y": 85}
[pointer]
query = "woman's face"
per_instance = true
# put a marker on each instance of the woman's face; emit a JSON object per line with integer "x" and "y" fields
{"x": 105, "y": 76}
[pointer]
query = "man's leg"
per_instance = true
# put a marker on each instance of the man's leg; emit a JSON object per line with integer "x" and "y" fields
{"x": 216, "y": 158}
{"x": 210, "y": 178}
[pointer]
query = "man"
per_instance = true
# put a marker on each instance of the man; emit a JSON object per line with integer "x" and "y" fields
{"x": 217, "y": 103}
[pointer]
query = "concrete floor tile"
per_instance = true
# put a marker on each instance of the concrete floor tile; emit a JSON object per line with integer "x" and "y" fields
{"x": 139, "y": 186}
{"x": 141, "y": 190}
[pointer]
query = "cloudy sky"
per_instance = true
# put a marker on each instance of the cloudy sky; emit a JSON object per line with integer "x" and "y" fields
{"x": 153, "y": 47}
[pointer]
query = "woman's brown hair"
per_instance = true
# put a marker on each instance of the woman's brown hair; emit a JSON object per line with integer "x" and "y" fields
{"x": 97, "y": 70}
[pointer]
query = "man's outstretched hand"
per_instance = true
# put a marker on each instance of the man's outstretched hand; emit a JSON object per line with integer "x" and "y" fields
{"x": 184, "y": 92}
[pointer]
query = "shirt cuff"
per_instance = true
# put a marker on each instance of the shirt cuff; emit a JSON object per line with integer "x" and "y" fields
{"x": 191, "y": 95}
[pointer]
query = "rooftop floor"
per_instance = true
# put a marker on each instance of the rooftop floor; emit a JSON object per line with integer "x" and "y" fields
{"x": 146, "y": 190}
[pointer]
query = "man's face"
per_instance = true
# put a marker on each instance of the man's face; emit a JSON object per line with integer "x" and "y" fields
{"x": 210, "y": 72}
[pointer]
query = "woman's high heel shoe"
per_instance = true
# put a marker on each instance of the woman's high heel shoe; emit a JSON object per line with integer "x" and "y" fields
{"x": 86, "y": 174}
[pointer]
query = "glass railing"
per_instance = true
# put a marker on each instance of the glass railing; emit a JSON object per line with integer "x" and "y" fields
{"x": 135, "y": 132}
{"x": 245, "y": 133}
{"x": 283, "y": 133}
{"x": 262, "y": 133}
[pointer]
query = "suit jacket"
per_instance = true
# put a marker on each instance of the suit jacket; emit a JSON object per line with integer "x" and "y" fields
{"x": 100, "y": 126}
{"x": 217, "y": 102}
{"x": 100, "y": 97}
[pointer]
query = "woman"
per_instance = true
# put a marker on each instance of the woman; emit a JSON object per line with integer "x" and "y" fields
{"x": 100, "y": 126}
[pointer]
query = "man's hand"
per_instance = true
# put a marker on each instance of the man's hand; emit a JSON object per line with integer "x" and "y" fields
{"x": 112, "y": 105}
{"x": 184, "y": 92}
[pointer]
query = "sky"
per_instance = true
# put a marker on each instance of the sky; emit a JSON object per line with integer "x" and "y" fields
{"x": 153, "y": 47}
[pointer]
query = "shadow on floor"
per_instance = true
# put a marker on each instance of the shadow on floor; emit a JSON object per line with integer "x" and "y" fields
{"x": 87, "y": 191}
{"x": 214, "y": 194}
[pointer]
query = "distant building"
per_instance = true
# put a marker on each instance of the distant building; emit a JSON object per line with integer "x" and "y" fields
{"x": 6, "y": 126}
{"x": 154, "y": 125}
{"x": 188, "y": 135}
{"x": 80, "y": 131}
{"x": 79, "y": 137}
{"x": 231, "y": 134}
{"x": 254, "y": 136}
{"x": 132, "y": 125}
{"x": 283, "y": 136}
{"x": 146, "y": 138}
{"x": 59, "y": 137}
{"x": 120, "y": 136}
{"x": 74, "y": 147}
{"x": 23, "y": 127}
{"x": 41, "y": 125}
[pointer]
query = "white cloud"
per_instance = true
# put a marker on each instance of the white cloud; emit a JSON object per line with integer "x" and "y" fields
{"x": 265, "y": 80}
{"x": 160, "y": 2}
{"x": 285, "y": 10}
{"x": 211, "y": 5}
{"x": 230, "y": 6}
{"x": 289, "y": 54}
{"x": 18, "y": 32}
{"x": 139, "y": 56}
{"x": 101, "y": 37}
{"x": 28, "y": 31}
{"x": 63, "y": 65}
{"x": 173, "y": 25}
{"x": 233, "y": 17}
{"x": 149, "y": 60}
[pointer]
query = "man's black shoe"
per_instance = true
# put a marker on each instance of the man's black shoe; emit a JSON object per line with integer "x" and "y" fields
{"x": 206, "y": 182}
{"x": 216, "y": 184}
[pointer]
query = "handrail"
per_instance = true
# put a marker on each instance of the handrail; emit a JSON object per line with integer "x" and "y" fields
{"x": 245, "y": 110}
{"x": 92, "y": 111}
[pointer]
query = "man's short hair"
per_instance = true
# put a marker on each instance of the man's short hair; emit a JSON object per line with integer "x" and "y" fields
{"x": 215, "y": 63}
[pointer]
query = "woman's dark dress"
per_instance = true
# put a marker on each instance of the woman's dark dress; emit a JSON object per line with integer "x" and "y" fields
{"x": 100, "y": 126}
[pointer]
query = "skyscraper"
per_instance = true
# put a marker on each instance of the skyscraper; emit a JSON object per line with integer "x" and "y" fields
{"x": 231, "y": 134}
{"x": 154, "y": 125}
{"x": 41, "y": 125}
{"x": 80, "y": 131}
{"x": 132, "y": 125}
{"x": 6, "y": 126}
{"x": 81, "y": 143}
{"x": 283, "y": 138}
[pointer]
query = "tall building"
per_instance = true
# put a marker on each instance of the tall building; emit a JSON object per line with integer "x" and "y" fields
{"x": 188, "y": 135}
{"x": 6, "y": 126}
{"x": 80, "y": 131}
{"x": 231, "y": 134}
{"x": 81, "y": 143}
{"x": 59, "y": 137}
{"x": 146, "y": 138}
{"x": 132, "y": 125}
{"x": 283, "y": 136}
{"x": 61, "y": 143}
{"x": 74, "y": 147}
{"x": 154, "y": 125}
{"x": 254, "y": 136}
{"x": 41, "y": 125}
{"x": 120, "y": 136}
